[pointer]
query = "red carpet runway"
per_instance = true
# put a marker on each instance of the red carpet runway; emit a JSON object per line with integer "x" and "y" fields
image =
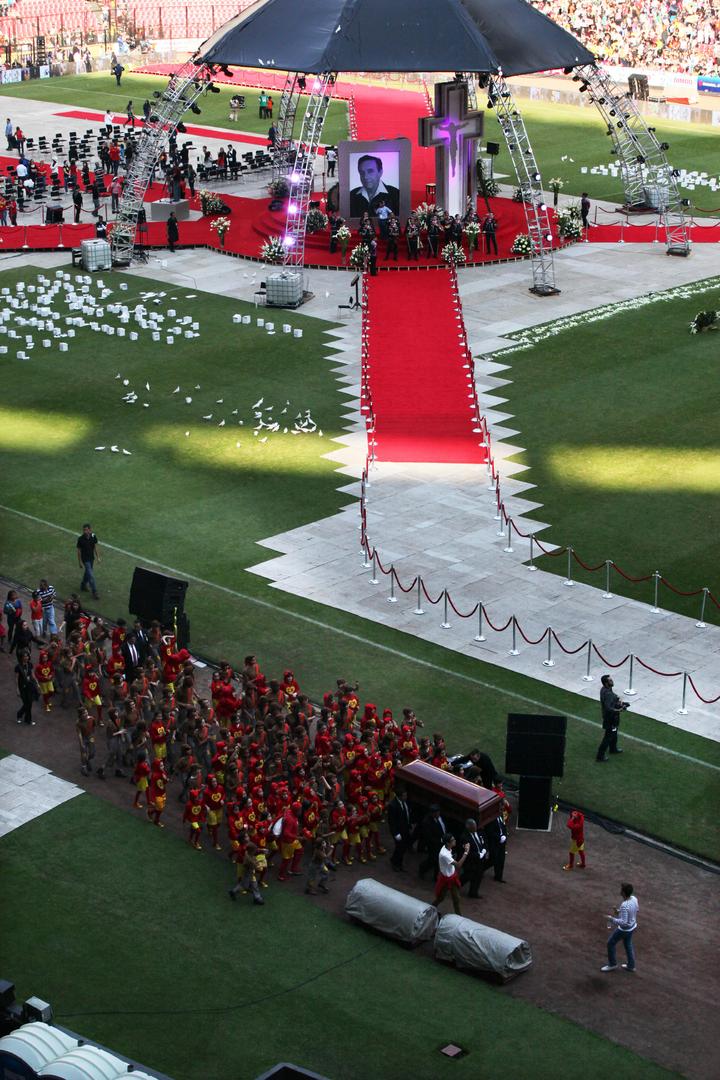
{"x": 420, "y": 392}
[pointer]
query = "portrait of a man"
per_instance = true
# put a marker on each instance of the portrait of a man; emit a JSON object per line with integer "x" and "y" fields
{"x": 375, "y": 185}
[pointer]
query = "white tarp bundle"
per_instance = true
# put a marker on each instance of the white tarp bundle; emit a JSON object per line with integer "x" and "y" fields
{"x": 391, "y": 912}
{"x": 471, "y": 945}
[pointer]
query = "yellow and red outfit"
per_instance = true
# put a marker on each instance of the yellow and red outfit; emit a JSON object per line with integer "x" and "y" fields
{"x": 195, "y": 815}
{"x": 214, "y": 799}
{"x": 140, "y": 777}
{"x": 45, "y": 675}
{"x": 157, "y": 793}
{"x": 158, "y": 737}
{"x": 291, "y": 848}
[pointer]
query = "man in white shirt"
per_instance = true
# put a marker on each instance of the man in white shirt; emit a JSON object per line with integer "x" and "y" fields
{"x": 624, "y": 922}
{"x": 448, "y": 879}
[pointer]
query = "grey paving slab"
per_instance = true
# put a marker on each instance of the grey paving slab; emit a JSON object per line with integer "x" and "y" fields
{"x": 27, "y": 791}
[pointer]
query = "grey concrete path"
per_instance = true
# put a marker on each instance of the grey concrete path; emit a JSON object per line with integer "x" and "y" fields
{"x": 28, "y": 790}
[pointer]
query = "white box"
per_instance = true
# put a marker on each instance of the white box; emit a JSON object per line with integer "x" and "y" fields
{"x": 95, "y": 255}
{"x": 297, "y": 333}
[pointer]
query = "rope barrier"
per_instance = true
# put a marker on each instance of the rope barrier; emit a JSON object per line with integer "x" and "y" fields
{"x": 706, "y": 701}
{"x": 584, "y": 565}
{"x": 628, "y": 577}
{"x": 497, "y": 629}
{"x": 605, "y": 661}
{"x": 410, "y": 587}
{"x": 570, "y": 652}
{"x": 459, "y": 613}
{"x": 429, "y": 598}
{"x": 666, "y": 674}
{"x": 679, "y": 592}
{"x": 530, "y": 641}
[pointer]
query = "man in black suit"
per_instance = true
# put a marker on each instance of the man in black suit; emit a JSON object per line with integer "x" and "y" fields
{"x": 141, "y": 640}
{"x": 479, "y": 767}
{"x": 496, "y": 837}
{"x": 131, "y": 656}
{"x": 610, "y": 706}
{"x": 433, "y": 830}
{"x": 476, "y": 862}
{"x": 400, "y": 826}
{"x": 372, "y": 191}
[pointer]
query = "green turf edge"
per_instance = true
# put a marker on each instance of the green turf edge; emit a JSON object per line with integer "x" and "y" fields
{"x": 153, "y": 932}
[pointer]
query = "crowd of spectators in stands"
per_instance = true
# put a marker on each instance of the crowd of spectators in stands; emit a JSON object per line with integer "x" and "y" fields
{"x": 682, "y": 35}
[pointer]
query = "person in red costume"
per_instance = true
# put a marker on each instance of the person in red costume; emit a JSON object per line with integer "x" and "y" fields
{"x": 115, "y": 665}
{"x": 214, "y": 799}
{"x": 195, "y": 815}
{"x": 158, "y": 737}
{"x": 354, "y": 842}
{"x": 172, "y": 661}
{"x": 157, "y": 793}
{"x": 376, "y": 811}
{"x": 91, "y": 693}
{"x": 290, "y": 687}
{"x": 45, "y": 674}
{"x": 140, "y": 777}
{"x": 291, "y": 848}
{"x": 576, "y": 825}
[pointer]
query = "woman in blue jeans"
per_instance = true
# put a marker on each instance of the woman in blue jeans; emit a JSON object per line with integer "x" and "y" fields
{"x": 624, "y": 922}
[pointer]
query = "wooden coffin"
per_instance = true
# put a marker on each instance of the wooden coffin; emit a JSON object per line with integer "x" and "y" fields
{"x": 456, "y": 797}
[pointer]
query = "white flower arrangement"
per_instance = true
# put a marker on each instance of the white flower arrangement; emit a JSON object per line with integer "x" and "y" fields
{"x": 273, "y": 251}
{"x": 359, "y": 256}
{"x": 569, "y": 223}
{"x": 315, "y": 221}
{"x": 522, "y": 245}
{"x": 555, "y": 184}
{"x": 220, "y": 225}
{"x": 424, "y": 211}
{"x": 705, "y": 320}
{"x": 453, "y": 254}
{"x": 343, "y": 234}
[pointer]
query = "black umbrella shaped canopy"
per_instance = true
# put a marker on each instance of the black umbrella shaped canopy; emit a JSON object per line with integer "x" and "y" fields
{"x": 394, "y": 35}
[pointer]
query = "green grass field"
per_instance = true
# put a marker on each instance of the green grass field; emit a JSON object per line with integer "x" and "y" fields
{"x": 623, "y": 446}
{"x": 567, "y": 130}
{"x": 147, "y": 955}
{"x": 197, "y": 504}
{"x": 98, "y": 91}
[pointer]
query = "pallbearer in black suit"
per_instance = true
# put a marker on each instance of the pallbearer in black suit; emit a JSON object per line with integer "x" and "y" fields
{"x": 400, "y": 825}
{"x": 496, "y": 836}
{"x": 433, "y": 830}
{"x": 477, "y": 860}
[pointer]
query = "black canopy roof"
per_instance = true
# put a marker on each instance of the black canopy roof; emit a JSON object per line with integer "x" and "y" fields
{"x": 394, "y": 35}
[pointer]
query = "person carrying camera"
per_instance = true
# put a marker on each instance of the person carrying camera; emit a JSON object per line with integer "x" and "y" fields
{"x": 610, "y": 706}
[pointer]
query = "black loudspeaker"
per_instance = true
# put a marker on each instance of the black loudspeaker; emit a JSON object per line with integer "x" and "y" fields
{"x": 492, "y": 148}
{"x": 156, "y": 596}
{"x": 535, "y": 744}
{"x": 54, "y": 215}
{"x": 534, "y": 798}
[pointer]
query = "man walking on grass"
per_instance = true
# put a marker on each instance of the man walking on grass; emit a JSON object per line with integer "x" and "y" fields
{"x": 87, "y": 553}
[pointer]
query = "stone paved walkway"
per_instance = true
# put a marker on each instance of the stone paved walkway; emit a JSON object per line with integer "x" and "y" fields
{"x": 28, "y": 790}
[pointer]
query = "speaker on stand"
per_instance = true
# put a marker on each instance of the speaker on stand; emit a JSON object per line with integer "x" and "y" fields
{"x": 535, "y": 749}
{"x": 157, "y": 596}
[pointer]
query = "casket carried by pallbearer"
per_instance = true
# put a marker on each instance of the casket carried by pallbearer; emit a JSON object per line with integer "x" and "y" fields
{"x": 457, "y": 798}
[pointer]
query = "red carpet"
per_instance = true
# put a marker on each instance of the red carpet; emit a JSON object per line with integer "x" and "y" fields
{"x": 420, "y": 392}
{"x": 192, "y": 129}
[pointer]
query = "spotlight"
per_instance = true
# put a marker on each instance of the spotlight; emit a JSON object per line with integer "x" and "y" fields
{"x": 490, "y": 103}
{"x": 612, "y": 112}
{"x": 601, "y": 101}
{"x": 226, "y": 71}
{"x": 292, "y": 208}
{"x": 302, "y": 82}
{"x": 567, "y": 71}
{"x": 294, "y": 177}
{"x": 652, "y": 129}
{"x": 288, "y": 241}
{"x": 196, "y": 109}
{"x": 583, "y": 88}
{"x": 640, "y": 159}
{"x": 157, "y": 94}
{"x": 664, "y": 146}
{"x": 542, "y": 207}
{"x": 619, "y": 123}
{"x": 535, "y": 177}
{"x": 675, "y": 173}
{"x": 685, "y": 202}
{"x": 181, "y": 128}
{"x": 154, "y": 118}
{"x": 576, "y": 78}
{"x": 214, "y": 89}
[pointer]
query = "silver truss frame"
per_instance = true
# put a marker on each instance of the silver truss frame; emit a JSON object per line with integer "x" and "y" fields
{"x": 186, "y": 85}
{"x": 530, "y": 184}
{"x": 301, "y": 174}
{"x": 285, "y": 126}
{"x": 649, "y": 181}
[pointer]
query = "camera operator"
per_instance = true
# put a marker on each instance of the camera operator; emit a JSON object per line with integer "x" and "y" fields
{"x": 610, "y": 706}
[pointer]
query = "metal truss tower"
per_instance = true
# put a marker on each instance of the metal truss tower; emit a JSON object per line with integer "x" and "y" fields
{"x": 650, "y": 182}
{"x": 285, "y": 126}
{"x": 186, "y": 85}
{"x": 529, "y": 182}
{"x": 302, "y": 172}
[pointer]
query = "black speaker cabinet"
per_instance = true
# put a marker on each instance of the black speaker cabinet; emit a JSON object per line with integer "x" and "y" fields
{"x": 492, "y": 148}
{"x": 156, "y": 596}
{"x": 535, "y": 744}
{"x": 534, "y": 799}
{"x": 54, "y": 215}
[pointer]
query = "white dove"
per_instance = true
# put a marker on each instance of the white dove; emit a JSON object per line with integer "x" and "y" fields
{"x": 208, "y": 417}
{"x": 99, "y": 447}
{"x": 221, "y": 424}
{"x": 176, "y": 390}
{"x": 147, "y": 385}
{"x": 219, "y": 401}
{"x": 115, "y": 449}
{"x": 235, "y": 412}
{"x": 128, "y": 452}
{"x": 188, "y": 400}
{"x": 258, "y": 403}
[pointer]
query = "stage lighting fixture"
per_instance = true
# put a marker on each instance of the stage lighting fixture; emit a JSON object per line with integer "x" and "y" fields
{"x": 583, "y": 88}
{"x": 567, "y": 71}
{"x": 214, "y": 89}
{"x": 301, "y": 81}
{"x": 288, "y": 241}
{"x": 156, "y": 94}
{"x": 226, "y": 71}
{"x": 181, "y": 128}
{"x": 542, "y": 207}
{"x": 548, "y": 237}
{"x": 294, "y": 177}
{"x": 675, "y": 173}
{"x": 652, "y": 129}
{"x": 612, "y": 112}
{"x": 576, "y": 78}
{"x": 664, "y": 146}
{"x": 154, "y": 118}
{"x": 196, "y": 109}
{"x": 601, "y": 101}
{"x": 640, "y": 159}
{"x": 37, "y": 1011}
{"x": 292, "y": 208}
{"x": 684, "y": 202}
{"x": 536, "y": 177}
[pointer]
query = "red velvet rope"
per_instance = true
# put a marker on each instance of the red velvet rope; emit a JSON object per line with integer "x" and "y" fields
{"x": 647, "y": 577}
{"x": 410, "y": 587}
{"x": 707, "y": 701}
{"x": 667, "y": 674}
{"x": 570, "y": 652}
{"x": 679, "y": 592}
{"x": 497, "y": 629}
{"x": 595, "y": 649}
{"x": 460, "y": 613}
{"x": 382, "y": 568}
{"x": 530, "y": 641}
{"x": 428, "y": 597}
{"x": 547, "y": 551}
{"x": 584, "y": 565}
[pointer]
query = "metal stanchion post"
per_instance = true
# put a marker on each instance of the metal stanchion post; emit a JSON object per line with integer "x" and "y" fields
{"x": 683, "y": 708}
{"x": 607, "y": 595}
{"x": 655, "y": 609}
{"x": 631, "y": 691}
{"x": 509, "y": 547}
{"x": 419, "y": 608}
{"x": 587, "y": 677}
{"x": 514, "y": 651}
{"x": 657, "y": 225}
{"x": 480, "y": 636}
{"x": 549, "y": 662}
{"x": 392, "y": 598}
{"x": 60, "y": 243}
{"x": 501, "y": 526}
{"x": 366, "y": 562}
{"x": 374, "y": 578}
{"x": 622, "y": 231}
{"x": 498, "y": 511}
{"x": 445, "y": 624}
{"x": 25, "y": 243}
{"x": 532, "y": 565}
{"x": 569, "y": 581}
{"x": 702, "y": 624}
{"x": 491, "y": 479}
